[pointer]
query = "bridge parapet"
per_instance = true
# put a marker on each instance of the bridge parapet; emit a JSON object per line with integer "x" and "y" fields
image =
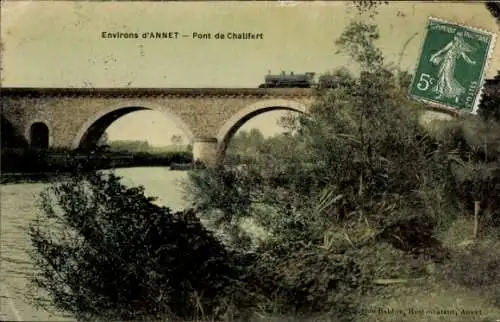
{"x": 22, "y": 92}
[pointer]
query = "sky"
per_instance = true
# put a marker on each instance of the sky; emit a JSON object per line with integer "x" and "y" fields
{"x": 60, "y": 44}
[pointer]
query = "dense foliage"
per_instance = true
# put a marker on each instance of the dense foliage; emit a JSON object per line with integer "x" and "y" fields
{"x": 360, "y": 155}
{"x": 120, "y": 256}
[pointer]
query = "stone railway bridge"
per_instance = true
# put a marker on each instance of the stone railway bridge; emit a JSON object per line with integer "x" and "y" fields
{"x": 77, "y": 117}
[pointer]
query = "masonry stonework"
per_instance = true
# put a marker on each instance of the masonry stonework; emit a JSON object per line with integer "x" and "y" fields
{"x": 76, "y": 118}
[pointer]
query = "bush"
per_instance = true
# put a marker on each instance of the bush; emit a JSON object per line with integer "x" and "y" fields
{"x": 478, "y": 175}
{"x": 306, "y": 280}
{"x": 383, "y": 261}
{"x": 489, "y": 107}
{"x": 224, "y": 189}
{"x": 105, "y": 251}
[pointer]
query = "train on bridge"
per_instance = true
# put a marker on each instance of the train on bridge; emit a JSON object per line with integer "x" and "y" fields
{"x": 306, "y": 80}
{"x": 291, "y": 80}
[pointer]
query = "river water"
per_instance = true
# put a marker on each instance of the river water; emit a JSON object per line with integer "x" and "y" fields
{"x": 18, "y": 209}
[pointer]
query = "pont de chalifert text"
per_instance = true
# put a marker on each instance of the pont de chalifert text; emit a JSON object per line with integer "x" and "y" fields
{"x": 178, "y": 35}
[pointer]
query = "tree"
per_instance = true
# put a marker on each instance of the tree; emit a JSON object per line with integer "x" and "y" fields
{"x": 130, "y": 146}
{"x": 359, "y": 156}
{"x": 105, "y": 251}
{"x": 368, "y": 5}
{"x": 489, "y": 108}
{"x": 244, "y": 144}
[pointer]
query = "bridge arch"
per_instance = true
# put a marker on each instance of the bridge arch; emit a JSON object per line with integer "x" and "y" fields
{"x": 38, "y": 135}
{"x": 90, "y": 132}
{"x": 236, "y": 121}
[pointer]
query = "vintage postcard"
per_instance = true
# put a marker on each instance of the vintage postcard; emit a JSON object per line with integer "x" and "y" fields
{"x": 283, "y": 143}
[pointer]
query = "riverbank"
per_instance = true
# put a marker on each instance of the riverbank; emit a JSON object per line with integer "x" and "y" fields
{"x": 37, "y": 164}
{"x": 47, "y": 177}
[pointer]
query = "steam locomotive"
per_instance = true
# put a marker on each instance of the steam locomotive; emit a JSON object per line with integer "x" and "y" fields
{"x": 292, "y": 80}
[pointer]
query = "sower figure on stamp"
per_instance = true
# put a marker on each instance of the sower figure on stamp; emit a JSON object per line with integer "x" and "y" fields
{"x": 447, "y": 86}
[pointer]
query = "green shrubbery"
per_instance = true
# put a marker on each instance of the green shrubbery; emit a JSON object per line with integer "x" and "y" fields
{"x": 308, "y": 280}
{"x": 106, "y": 251}
{"x": 475, "y": 265}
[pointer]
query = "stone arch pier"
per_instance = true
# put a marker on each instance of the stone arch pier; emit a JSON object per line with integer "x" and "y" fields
{"x": 76, "y": 118}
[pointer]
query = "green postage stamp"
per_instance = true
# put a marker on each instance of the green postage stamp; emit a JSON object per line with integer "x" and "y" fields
{"x": 451, "y": 66}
